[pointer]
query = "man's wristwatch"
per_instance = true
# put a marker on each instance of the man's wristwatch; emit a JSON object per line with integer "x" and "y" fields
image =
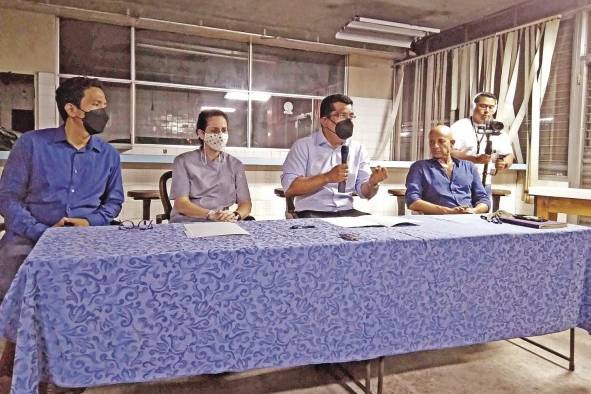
{"x": 238, "y": 216}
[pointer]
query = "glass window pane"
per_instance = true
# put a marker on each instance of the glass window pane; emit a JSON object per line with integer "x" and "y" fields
{"x": 293, "y": 71}
{"x": 118, "y": 130}
{"x": 184, "y": 59}
{"x": 279, "y": 121}
{"x": 555, "y": 111}
{"x": 97, "y": 49}
{"x": 17, "y": 107}
{"x": 169, "y": 116}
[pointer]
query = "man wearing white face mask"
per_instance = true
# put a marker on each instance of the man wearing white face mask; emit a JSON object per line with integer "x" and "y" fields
{"x": 207, "y": 181}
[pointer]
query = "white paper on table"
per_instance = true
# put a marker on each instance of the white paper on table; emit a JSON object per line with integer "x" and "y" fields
{"x": 211, "y": 229}
{"x": 369, "y": 221}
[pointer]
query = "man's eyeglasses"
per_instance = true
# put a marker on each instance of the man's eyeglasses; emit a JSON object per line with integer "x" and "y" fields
{"x": 344, "y": 115}
{"x": 141, "y": 225}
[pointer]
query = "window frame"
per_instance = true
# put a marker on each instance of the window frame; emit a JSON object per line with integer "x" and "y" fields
{"x": 133, "y": 83}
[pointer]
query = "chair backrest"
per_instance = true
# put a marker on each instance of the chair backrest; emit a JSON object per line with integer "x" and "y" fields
{"x": 289, "y": 206}
{"x": 164, "y": 195}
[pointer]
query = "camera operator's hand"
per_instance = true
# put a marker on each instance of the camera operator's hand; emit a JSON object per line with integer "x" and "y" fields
{"x": 337, "y": 174}
{"x": 481, "y": 159}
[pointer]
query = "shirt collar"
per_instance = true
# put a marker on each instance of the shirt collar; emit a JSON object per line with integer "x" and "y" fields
{"x": 434, "y": 161}
{"x": 60, "y": 136}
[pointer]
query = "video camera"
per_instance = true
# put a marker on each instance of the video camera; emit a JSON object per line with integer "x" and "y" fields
{"x": 492, "y": 127}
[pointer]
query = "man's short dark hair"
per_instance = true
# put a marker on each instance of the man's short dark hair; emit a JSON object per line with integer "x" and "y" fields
{"x": 204, "y": 116}
{"x": 485, "y": 94}
{"x": 72, "y": 91}
{"x": 327, "y": 105}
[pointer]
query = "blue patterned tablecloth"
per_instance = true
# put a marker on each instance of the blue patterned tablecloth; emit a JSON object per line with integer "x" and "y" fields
{"x": 96, "y": 306}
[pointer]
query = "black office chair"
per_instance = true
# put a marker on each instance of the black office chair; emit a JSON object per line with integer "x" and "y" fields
{"x": 164, "y": 198}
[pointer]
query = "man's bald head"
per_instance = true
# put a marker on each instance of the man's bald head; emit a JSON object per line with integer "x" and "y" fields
{"x": 441, "y": 142}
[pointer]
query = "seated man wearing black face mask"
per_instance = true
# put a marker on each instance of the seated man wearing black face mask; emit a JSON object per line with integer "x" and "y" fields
{"x": 64, "y": 176}
{"x": 315, "y": 166}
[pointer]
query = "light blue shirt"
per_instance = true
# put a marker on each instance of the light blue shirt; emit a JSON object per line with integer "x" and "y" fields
{"x": 314, "y": 155}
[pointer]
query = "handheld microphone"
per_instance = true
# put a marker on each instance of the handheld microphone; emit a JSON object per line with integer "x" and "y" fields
{"x": 344, "y": 157}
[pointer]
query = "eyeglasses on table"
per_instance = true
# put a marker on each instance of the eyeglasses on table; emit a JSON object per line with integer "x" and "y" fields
{"x": 141, "y": 225}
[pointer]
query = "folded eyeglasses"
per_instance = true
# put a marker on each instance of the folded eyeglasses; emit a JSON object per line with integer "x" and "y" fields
{"x": 141, "y": 225}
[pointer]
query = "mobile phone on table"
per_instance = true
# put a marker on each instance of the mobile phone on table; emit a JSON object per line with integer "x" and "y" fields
{"x": 530, "y": 218}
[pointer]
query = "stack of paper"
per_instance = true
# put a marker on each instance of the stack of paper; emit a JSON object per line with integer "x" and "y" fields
{"x": 370, "y": 221}
{"x": 211, "y": 229}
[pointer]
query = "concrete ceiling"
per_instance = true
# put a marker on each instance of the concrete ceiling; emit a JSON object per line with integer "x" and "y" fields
{"x": 310, "y": 20}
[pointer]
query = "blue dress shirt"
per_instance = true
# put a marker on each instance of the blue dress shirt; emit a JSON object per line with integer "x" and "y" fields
{"x": 45, "y": 178}
{"x": 428, "y": 181}
{"x": 314, "y": 155}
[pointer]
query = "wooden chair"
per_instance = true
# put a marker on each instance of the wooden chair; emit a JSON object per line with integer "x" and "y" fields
{"x": 164, "y": 198}
{"x": 289, "y": 207}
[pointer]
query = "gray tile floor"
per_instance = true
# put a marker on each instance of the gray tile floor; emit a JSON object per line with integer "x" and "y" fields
{"x": 497, "y": 367}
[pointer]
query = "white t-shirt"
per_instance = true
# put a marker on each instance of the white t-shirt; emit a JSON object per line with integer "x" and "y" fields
{"x": 467, "y": 141}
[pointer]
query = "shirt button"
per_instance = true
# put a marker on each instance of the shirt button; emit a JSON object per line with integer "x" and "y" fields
{"x": 72, "y": 190}
{"x": 75, "y": 171}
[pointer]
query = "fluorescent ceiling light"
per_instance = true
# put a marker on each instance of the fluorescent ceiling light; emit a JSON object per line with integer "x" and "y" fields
{"x": 223, "y": 109}
{"x": 396, "y": 24}
{"x": 373, "y": 39}
{"x": 380, "y": 32}
{"x": 255, "y": 96}
{"x": 385, "y": 29}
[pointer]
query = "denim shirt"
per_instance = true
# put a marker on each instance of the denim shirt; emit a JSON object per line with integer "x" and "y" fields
{"x": 45, "y": 178}
{"x": 428, "y": 181}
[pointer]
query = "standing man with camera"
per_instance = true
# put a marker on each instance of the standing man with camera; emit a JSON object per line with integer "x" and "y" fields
{"x": 470, "y": 143}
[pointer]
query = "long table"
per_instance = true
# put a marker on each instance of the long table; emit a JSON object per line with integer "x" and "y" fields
{"x": 98, "y": 306}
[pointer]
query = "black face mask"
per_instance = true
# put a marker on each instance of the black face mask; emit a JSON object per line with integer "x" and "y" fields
{"x": 95, "y": 120}
{"x": 344, "y": 129}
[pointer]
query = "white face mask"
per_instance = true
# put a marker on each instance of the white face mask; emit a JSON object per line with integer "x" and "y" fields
{"x": 216, "y": 141}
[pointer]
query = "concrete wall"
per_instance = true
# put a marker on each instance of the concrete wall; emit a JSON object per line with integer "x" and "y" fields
{"x": 27, "y": 42}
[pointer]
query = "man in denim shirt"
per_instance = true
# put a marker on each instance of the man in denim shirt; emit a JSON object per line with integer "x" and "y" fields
{"x": 444, "y": 185}
{"x": 64, "y": 176}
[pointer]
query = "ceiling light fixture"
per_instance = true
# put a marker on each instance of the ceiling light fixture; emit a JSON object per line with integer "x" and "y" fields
{"x": 223, "y": 109}
{"x": 380, "y": 32}
{"x": 255, "y": 96}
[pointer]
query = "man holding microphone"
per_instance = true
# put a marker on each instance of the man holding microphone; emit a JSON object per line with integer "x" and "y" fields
{"x": 316, "y": 165}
